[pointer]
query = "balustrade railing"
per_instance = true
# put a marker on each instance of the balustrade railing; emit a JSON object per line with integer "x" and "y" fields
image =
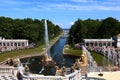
{"x": 76, "y": 75}
{"x": 73, "y": 76}
{"x": 6, "y": 70}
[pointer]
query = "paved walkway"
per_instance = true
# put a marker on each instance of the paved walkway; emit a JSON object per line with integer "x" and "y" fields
{"x": 106, "y": 75}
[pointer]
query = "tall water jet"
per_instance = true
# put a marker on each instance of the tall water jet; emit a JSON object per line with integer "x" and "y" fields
{"x": 47, "y": 60}
{"x": 47, "y": 40}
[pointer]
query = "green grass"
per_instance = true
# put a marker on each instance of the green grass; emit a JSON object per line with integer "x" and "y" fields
{"x": 77, "y": 52}
{"x": 25, "y": 52}
{"x": 98, "y": 58}
{"x": 71, "y": 51}
{"x": 20, "y": 53}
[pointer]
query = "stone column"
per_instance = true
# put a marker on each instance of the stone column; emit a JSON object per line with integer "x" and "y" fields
{"x": 97, "y": 44}
{"x": 17, "y": 44}
{"x": 27, "y": 43}
{"x": 106, "y": 44}
{"x": 89, "y": 44}
{"x": 93, "y": 44}
{"x": 85, "y": 44}
{"x": 102, "y": 44}
{"x": 13, "y": 44}
{"x": 5, "y": 43}
{"x": 21, "y": 44}
{"x": 1, "y": 43}
{"x": 110, "y": 44}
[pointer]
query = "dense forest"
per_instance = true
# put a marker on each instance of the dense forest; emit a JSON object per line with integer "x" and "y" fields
{"x": 31, "y": 29}
{"x": 93, "y": 29}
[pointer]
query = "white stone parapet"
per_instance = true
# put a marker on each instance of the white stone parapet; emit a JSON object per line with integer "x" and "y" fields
{"x": 6, "y": 70}
{"x": 73, "y": 76}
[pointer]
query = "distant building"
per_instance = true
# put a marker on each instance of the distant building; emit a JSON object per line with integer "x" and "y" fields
{"x": 98, "y": 42}
{"x": 117, "y": 41}
{"x": 113, "y": 42}
{"x": 12, "y": 44}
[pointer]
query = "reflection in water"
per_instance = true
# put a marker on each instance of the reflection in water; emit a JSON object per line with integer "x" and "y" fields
{"x": 56, "y": 53}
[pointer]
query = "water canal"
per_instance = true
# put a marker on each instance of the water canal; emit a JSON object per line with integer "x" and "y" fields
{"x": 34, "y": 63}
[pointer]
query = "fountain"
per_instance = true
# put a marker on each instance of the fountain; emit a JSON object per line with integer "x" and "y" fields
{"x": 109, "y": 59}
{"x": 90, "y": 62}
{"x": 47, "y": 59}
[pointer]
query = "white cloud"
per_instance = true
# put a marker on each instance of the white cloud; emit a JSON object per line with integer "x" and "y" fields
{"x": 83, "y": 7}
{"x": 116, "y": 8}
{"x": 50, "y": 6}
{"x": 105, "y": 5}
{"x": 71, "y": 23}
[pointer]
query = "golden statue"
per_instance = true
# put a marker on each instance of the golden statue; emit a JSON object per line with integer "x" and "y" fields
{"x": 84, "y": 58}
{"x": 47, "y": 61}
{"x": 82, "y": 61}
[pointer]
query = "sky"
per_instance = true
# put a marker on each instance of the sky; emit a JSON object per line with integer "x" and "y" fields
{"x": 61, "y": 12}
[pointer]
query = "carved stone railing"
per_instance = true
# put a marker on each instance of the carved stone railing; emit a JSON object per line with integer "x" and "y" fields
{"x": 73, "y": 76}
{"x": 76, "y": 75}
{"x": 6, "y": 70}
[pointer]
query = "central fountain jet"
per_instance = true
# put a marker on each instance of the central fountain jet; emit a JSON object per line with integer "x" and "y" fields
{"x": 47, "y": 60}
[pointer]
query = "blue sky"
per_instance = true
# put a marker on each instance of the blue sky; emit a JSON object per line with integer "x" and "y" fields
{"x": 61, "y": 12}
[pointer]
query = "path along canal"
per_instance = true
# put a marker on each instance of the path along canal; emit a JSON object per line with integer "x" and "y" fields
{"x": 56, "y": 50}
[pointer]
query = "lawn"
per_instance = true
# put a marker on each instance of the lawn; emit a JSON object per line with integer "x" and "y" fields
{"x": 77, "y": 52}
{"x": 98, "y": 58}
{"x": 20, "y": 53}
{"x": 71, "y": 51}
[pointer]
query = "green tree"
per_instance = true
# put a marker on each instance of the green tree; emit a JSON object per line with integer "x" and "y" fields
{"x": 77, "y": 32}
{"x": 6, "y": 27}
{"x": 109, "y": 27}
{"x": 27, "y": 28}
{"x": 92, "y": 27}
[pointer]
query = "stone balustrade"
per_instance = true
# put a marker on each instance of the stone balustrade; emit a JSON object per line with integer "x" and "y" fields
{"x": 6, "y": 70}
{"x": 73, "y": 76}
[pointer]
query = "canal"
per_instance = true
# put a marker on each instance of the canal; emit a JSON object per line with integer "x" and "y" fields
{"x": 56, "y": 50}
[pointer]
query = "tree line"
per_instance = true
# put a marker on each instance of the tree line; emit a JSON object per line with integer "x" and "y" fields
{"x": 27, "y": 28}
{"x": 93, "y": 29}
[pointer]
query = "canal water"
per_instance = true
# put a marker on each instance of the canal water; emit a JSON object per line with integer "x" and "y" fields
{"x": 56, "y": 50}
